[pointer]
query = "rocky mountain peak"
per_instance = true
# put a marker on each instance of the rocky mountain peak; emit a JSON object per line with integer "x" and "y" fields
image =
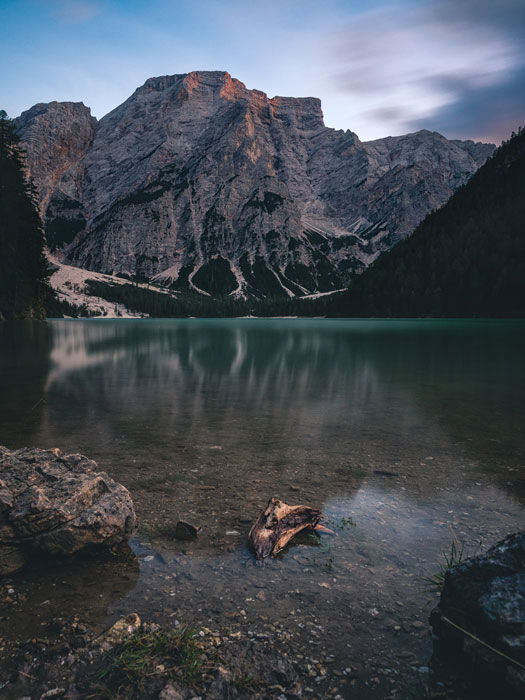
{"x": 305, "y": 112}
{"x": 196, "y": 84}
{"x": 198, "y": 182}
{"x": 56, "y": 137}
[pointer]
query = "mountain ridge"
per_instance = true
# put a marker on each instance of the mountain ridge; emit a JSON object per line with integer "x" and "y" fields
{"x": 465, "y": 259}
{"x": 199, "y": 183}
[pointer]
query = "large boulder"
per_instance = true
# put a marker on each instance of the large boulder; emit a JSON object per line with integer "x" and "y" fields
{"x": 480, "y": 619}
{"x": 57, "y": 504}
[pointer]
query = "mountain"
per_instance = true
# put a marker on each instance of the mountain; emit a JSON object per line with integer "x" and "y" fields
{"x": 466, "y": 259}
{"x": 56, "y": 136}
{"x": 199, "y": 183}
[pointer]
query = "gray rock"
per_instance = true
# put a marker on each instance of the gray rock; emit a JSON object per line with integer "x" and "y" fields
{"x": 486, "y": 597}
{"x": 197, "y": 182}
{"x": 57, "y": 136}
{"x": 185, "y": 531}
{"x": 57, "y": 504}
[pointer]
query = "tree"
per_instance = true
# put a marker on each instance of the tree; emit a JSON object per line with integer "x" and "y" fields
{"x": 24, "y": 289}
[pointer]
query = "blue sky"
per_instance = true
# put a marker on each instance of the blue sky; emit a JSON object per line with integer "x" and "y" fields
{"x": 381, "y": 67}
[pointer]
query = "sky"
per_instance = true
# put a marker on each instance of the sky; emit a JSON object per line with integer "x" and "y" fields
{"x": 380, "y": 67}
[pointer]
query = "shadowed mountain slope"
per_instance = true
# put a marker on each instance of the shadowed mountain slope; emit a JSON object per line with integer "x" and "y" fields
{"x": 466, "y": 259}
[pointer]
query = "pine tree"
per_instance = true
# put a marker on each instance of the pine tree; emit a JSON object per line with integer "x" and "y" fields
{"x": 24, "y": 290}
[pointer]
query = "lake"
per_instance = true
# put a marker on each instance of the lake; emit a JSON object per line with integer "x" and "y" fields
{"x": 407, "y": 433}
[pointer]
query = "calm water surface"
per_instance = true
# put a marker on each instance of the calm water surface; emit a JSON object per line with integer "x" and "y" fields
{"x": 407, "y": 434}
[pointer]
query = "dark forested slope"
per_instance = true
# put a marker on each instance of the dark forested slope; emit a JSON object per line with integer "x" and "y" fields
{"x": 465, "y": 259}
{"x": 23, "y": 268}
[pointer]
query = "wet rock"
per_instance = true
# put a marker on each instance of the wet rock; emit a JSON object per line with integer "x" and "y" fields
{"x": 485, "y": 597}
{"x": 185, "y": 531}
{"x": 57, "y": 504}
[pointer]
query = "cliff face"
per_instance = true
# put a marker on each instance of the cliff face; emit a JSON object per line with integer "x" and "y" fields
{"x": 56, "y": 137}
{"x": 197, "y": 182}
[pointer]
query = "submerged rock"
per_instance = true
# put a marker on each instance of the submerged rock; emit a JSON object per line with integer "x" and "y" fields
{"x": 57, "y": 504}
{"x": 485, "y": 597}
{"x": 186, "y": 531}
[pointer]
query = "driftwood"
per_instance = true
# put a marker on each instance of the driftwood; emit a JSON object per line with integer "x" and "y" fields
{"x": 279, "y": 523}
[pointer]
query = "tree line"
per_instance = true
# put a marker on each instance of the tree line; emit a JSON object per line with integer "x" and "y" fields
{"x": 465, "y": 259}
{"x": 24, "y": 289}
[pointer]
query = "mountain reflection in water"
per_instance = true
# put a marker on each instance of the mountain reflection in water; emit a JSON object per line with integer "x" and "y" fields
{"x": 401, "y": 387}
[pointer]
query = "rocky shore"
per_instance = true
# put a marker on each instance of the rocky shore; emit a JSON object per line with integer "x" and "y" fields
{"x": 135, "y": 659}
{"x": 479, "y": 624}
{"x": 55, "y": 505}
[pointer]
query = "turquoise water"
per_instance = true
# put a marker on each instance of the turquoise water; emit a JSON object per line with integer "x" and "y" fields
{"x": 408, "y": 434}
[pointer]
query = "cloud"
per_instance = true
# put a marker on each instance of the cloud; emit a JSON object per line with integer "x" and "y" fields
{"x": 485, "y": 113}
{"x": 387, "y": 114}
{"x": 450, "y": 65}
{"x": 75, "y": 11}
{"x": 437, "y": 64}
{"x": 503, "y": 15}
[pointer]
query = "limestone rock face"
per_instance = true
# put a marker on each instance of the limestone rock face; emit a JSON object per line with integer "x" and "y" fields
{"x": 56, "y": 136}
{"x": 198, "y": 182}
{"x": 58, "y": 504}
{"x": 486, "y": 597}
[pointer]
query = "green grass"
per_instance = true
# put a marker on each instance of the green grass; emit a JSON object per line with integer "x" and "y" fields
{"x": 329, "y": 563}
{"x": 138, "y": 656}
{"x": 344, "y": 523}
{"x": 452, "y": 557}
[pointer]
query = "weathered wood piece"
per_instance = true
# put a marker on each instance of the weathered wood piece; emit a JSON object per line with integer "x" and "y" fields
{"x": 279, "y": 523}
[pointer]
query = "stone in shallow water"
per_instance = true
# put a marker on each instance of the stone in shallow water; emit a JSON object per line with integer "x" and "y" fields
{"x": 185, "y": 531}
{"x": 485, "y": 596}
{"x": 57, "y": 504}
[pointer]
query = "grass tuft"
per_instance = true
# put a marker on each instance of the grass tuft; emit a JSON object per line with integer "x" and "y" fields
{"x": 343, "y": 523}
{"x": 452, "y": 557}
{"x": 138, "y": 656}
